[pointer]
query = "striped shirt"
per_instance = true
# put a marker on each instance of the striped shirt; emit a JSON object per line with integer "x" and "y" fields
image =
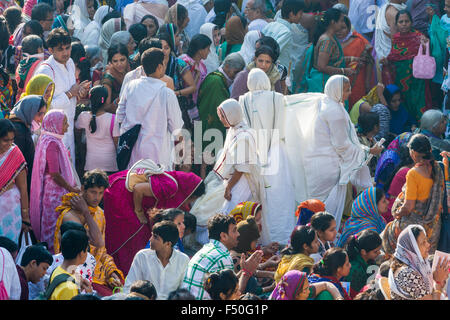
{"x": 213, "y": 257}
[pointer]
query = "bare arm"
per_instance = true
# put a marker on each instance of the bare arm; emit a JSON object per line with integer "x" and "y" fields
{"x": 109, "y": 105}
{"x": 234, "y": 179}
{"x": 60, "y": 181}
{"x": 190, "y": 84}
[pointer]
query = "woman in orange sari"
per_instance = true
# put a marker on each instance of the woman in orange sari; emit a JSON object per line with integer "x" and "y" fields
{"x": 358, "y": 56}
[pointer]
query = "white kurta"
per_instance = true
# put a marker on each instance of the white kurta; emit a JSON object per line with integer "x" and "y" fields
{"x": 64, "y": 79}
{"x": 264, "y": 112}
{"x": 147, "y": 101}
{"x": 147, "y": 266}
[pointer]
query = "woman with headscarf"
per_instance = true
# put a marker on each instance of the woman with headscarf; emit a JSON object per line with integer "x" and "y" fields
{"x": 264, "y": 112}
{"x": 249, "y": 46}
{"x": 41, "y": 85}
{"x": 307, "y": 209}
{"x": 91, "y": 33}
{"x": 433, "y": 124}
{"x": 53, "y": 176}
{"x": 135, "y": 11}
{"x": 366, "y": 214}
{"x": 30, "y": 109}
{"x": 212, "y": 31}
{"x": 179, "y": 16}
{"x": 410, "y": 275}
{"x": 421, "y": 199}
{"x": 235, "y": 30}
{"x": 264, "y": 59}
{"x": 108, "y": 29}
{"x": 14, "y": 209}
{"x": 323, "y": 147}
{"x": 124, "y": 38}
{"x": 82, "y": 13}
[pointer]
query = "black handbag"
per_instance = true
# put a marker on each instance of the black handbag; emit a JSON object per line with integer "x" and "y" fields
{"x": 126, "y": 144}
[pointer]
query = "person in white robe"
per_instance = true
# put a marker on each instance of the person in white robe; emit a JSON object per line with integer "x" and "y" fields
{"x": 79, "y": 16}
{"x": 61, "y": 69}
{"x": 135, "y": 11}
{"x": 248, "y": 47}
{"x": 212, "y": 61}
{"x": 197, "y": 14}
{"x": 323, "y": 148}
{"x": 384, "y": 31}
{"x": 148, "y": 101}
{"x": 264, "y": 112}
{"x": 91, "y": 33}
{"x": 108, "y": 29}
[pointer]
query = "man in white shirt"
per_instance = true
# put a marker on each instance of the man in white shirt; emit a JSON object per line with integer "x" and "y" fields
{"x": 163, "y": 266}
{"x": 61, "y": 68}
{"x": 254, "y": 11}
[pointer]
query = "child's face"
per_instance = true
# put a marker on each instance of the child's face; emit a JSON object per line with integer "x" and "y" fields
{"x": 447, "y": 7}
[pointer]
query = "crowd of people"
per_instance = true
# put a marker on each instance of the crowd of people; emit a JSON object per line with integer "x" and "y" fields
{"x": 224, "y": 150}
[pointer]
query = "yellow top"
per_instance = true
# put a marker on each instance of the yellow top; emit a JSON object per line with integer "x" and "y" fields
{"x": 417, "y": 186}
{"x": 297, "y": 261}
{"x": 137, "y": 178}
{"x": 66, "y": 290}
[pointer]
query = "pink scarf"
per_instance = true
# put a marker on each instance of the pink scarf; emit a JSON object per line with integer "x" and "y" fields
{"x": 52, "y": 131}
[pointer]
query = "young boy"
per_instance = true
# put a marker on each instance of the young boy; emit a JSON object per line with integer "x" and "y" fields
{"x": 35, "y": 262}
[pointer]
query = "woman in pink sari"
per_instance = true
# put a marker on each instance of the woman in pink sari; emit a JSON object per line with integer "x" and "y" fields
{"x": 125, "y": 235}
{"x": 52, "y": 177}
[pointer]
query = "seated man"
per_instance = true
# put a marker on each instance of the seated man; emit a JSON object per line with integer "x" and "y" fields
{"x": 163, "y": 266}
{"x": 85, "y": 210}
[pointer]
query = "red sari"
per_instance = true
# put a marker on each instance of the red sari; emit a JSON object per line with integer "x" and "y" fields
{"x": 125, "y": 235}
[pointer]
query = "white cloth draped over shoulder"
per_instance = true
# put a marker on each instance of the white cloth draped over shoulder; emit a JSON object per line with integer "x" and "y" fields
{"x": 135, "y": 11}
{"x": 383, "y": 42}
{"x": 212, "y": 61}
{"x": 323, "y": 148}
{"x": 64, "y": 79}
{"x": 148, "y": 101}
{"x": 248, "y": 46}
{"x": 197, "y": 14}
{"x": 91, "y": 33}
{"x": 80, "y": 17}
{"x": 264, "y": 112}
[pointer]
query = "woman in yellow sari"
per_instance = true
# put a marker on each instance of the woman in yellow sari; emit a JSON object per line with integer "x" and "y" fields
{"x": 41, "y": 85}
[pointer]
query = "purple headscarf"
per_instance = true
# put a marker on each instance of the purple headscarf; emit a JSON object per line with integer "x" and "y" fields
{"x": 289, "y": 286}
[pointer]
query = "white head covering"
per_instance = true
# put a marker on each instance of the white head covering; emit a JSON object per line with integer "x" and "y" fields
{"x": 430, "y": 119}
{"x": 91, "y": 33}
{"x": 80, "y": 15}
{"x": 108, "y": 29}
{"x": 407, "y": 251}
{"x": 100, "y": 13}
{"x": 231, "y": 111}
{"x": 258, "y": 80}
{"x": 248, "y": 46}
{"x": 122, "y": 37}
{"x": 334, "y": 88}
{"x": 212, "y": 62}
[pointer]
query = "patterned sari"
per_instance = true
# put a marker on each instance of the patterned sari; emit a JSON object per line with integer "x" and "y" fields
{"x": 11, "y": 165}
{"x": 426, "y": 213}
{"x": 404, "y": 48}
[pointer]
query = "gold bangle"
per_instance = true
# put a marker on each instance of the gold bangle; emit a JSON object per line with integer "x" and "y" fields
{"x": 25, "y": 210}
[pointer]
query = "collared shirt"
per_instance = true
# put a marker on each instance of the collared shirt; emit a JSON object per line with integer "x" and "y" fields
{"x": 213, "y": 257}
{"x": 147, "y": 266}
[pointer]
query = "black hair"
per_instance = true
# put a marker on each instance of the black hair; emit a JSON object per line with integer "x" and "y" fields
{"x": 148, "y": 43}
{"x": 35, "y": 26}
{"x": 266, "y": 50}
{"x": 400, "y": 12}
{"x": 379, "y": 193}
{"x": 149, "y": 16}
{"x": 13, "y": 16}
{"x": 118, "y": 48}
{"x": 197, "y": 43}
{"x": 224, "y": 281}
{"x": 31, "y": 44}
{"x": 164, "y": 34}
{"x": 333, "y": 259}
{"x": 300, "y": 235}
{"x": 330, "y": 15}
{"x": 58, "y": 36}
{"x": 221, "y": 9}
{"x": 86, "y": 297}
{"x": 190, "y": 222}
{"x": 421, "y": 144}
{"x": 78, "y": 55}
{"x": 348, "y": 23}
{"x": 384, "y": 269}
{"x": 167, "y": 214}
{"x": 71, "y": 225}
{"x": 98, "y": 96}
{"x": 321, "y": 221}
{"x": 6, "y": 126}
{"x": 38, "y": 253}
{"x": 4, "y": 34}
{"x": 367, "y": 240}
{"x": 367, "y": 121}
{"x": 219, "y": 223}
{"x": 40, "y": 11}
{"x": 373, "y": 292}
{"x": 145, "y": 288}
{"x": 95, "y": 178}
{"x": 272, "y": 43}
{"x": 416, "y": 230}
{"x": 167, "y": 230}
{"x": 151, "y": 59}
{"x": 182, "y": 14}
{"x": 200, "y": 190}
{"x": 249, "y": 296}
{"x": 388, "y": 95}
{"x": 405, "y": 160}
{"x": 111, "y": 15}
{"x": 181, "y": 294}
{"x": 8, "y": 244}
{"x": 73, "y": 242}
{"x": 138, "y": 31}
{"x": 293, "y": 6}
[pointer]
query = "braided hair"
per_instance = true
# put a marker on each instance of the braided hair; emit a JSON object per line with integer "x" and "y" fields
{"x": 98, "y": 96}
